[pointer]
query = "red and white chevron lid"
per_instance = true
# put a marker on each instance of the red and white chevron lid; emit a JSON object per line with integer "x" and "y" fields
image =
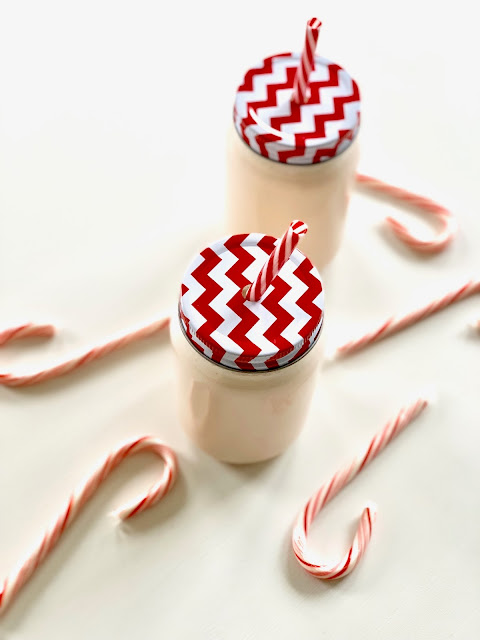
{"x": 252, "y": 336}
{"x": 277, "y": 127}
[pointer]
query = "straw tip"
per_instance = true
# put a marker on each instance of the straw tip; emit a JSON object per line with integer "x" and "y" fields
{"x": 314, "y": 23}
{"x": 299, "y": 227}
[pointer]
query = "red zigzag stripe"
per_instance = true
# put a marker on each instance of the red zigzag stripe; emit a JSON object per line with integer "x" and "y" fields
{"x": 319, "y": 119}
{"x": 202, "y": 304}
{"x": 283, "y": 319}
{"x": 305, "y": 302}
{"x": 271, "y": 101}
{"x": 237, "y": 303}
{"x": 267, "y": 68}
{"x": 295, "y": 115}
{"x": 296, "y": 108}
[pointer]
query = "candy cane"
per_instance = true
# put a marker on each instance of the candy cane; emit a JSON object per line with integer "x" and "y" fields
{"x": 330, "y": 490}
{"x": 279, "y": 256}
{"x": 445, "y": 217}
{"x": 95, "y": 353}
{"x": 393, "y": 325}
{"x": 28, "y": 330}
{"x": 81, "y": 496}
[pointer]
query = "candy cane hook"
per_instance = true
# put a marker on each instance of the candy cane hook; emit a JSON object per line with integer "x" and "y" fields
{"x": 82, "y": 495}
{"x": 447, "y": 221}
{"x": 29, "y": 330}
{"x": 330, "y": 489}
{"x": 71, "y": 364}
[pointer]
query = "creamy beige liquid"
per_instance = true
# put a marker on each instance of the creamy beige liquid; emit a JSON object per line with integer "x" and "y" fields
{"x": 239, "y": 416}
{"x": 265, "y": 196}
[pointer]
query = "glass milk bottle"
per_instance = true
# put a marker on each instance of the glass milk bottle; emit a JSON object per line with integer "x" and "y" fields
{"x": 246, "y": 370}
{"x": 293, "y": 149}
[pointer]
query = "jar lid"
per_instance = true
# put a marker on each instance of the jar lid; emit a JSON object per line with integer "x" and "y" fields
{"x": 252, "y": 336}
{"x": 275, "y": 126}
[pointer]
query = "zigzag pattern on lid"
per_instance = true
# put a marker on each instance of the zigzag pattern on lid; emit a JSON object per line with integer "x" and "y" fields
{"x": 277, "y": 127}
{"x": 252, "y": 336}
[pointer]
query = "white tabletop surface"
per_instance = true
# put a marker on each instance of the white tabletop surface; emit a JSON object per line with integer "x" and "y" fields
{"x": 112, "y": 128}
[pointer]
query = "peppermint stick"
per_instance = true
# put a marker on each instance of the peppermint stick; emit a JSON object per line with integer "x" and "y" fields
{"x": 395, "y": 324}
{"x": 15, "y": 581}
{"x": 330, "y": 489}
{"x": 71, "y": 364}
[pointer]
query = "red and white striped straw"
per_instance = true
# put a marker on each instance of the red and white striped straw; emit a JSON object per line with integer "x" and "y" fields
{"x": 330, "y": 489}
{"x": 394, "y": 325}
{"x": 448, "y": 222}
{"x": 14, "y": 582}
{"x": 279, "y": 256}
{"x": 300, "y": 86}
{"x": 71, "y": 364}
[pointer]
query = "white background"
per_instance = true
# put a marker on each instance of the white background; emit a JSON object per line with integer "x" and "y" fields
{"x": 112, "y": 128}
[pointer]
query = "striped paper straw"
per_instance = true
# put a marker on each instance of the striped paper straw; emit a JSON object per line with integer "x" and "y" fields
{"x": 447, "y": 221}
{"x": 279, "y": 256}
{"x": 307, "y": 62}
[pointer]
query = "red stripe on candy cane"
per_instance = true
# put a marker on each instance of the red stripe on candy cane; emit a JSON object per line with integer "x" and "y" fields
{"x": 446, "y": 219}
{"x": 330, "y": 489}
